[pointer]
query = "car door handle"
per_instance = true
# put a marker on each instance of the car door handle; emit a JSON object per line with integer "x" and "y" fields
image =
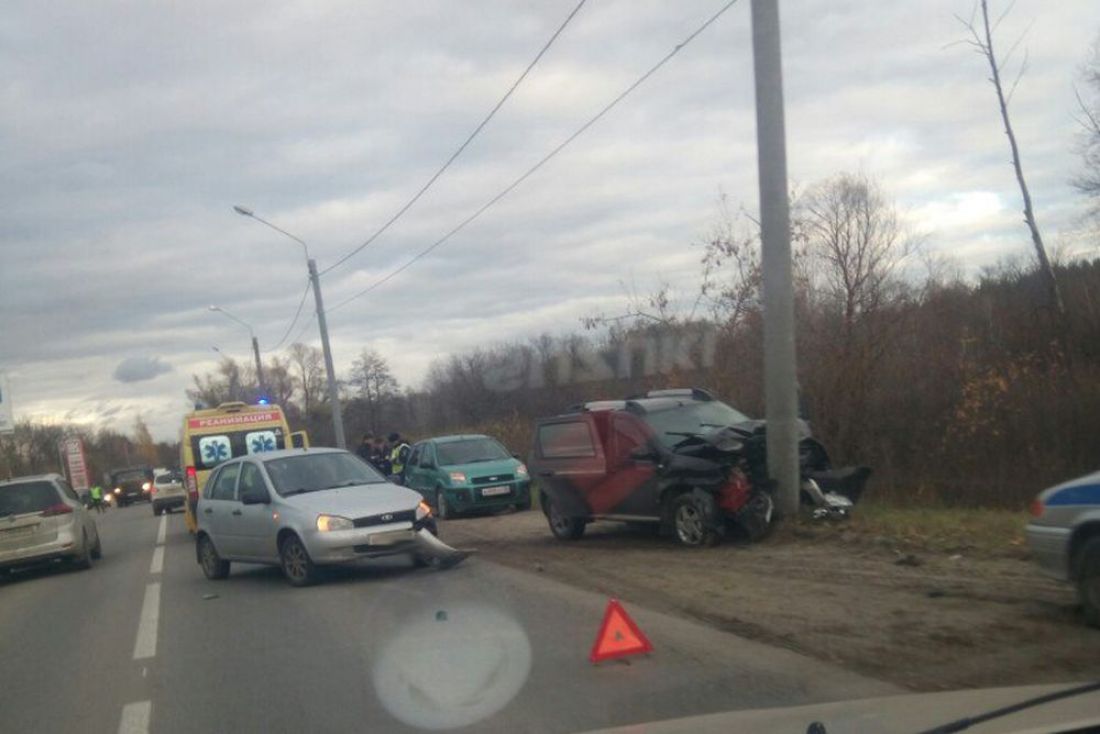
{"x": 208, "y": 511}
{"x": 237, "y": 512}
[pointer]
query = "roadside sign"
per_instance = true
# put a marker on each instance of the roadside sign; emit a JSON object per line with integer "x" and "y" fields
{"x": 619, "y": 636}
{"x": 72, "y": 450}
{"x": 7, "y": 419}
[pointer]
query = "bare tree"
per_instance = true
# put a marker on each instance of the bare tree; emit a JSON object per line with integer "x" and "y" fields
{"x": 371, "y": 375}
{"x": 981, "y": 41}
{"x": 308, "y": 369}
{"x": 1088, "y": 181}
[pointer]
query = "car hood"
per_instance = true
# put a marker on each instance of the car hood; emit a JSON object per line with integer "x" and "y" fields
{"x": 904, "y": 713}
{"x": 485, "y": 468}
{"x": 358, "y": 501}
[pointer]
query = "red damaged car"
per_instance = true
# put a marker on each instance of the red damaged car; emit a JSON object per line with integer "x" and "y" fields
{"x": 678, "y": 458}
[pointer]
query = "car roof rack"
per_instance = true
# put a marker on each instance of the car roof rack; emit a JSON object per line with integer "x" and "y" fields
{"x": 695, "y": 393}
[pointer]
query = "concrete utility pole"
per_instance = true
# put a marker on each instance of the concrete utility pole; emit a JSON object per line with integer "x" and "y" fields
{"x": 775, "y": 235}
{"x": 259, "y": 368}
{"x": 322, "y": 324}
{"x": 330, "y": 370}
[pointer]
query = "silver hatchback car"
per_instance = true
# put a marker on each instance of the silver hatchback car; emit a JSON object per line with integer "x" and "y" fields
{"x": 1064, "y": 535}
{"x": 42, "y": 519}
{"x": 303, "y": 508}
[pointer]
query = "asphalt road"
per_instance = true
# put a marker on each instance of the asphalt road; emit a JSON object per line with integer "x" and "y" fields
{"x": 143, "y": 642}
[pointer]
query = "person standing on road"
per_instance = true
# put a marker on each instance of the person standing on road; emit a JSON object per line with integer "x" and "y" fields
{"x": 96, "y": 493}
{"x": 399, "y": 454}
{"x": 365, "y": 450}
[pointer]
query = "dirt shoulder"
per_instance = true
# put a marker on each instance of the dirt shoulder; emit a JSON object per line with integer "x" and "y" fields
{"x": 927, "y": 620}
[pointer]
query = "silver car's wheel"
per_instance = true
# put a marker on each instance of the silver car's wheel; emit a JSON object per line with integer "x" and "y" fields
{"x": 442, "y": 509}
{"x": 297, "y": 565}
{"x": 83, "y": 560}
{"x": 213, "y": 566}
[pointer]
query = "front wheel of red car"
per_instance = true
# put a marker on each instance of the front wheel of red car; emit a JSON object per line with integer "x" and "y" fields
{"x": 562, "y": 526}
{"x": 694, "y": 520}
{"x": 756, "y": 517}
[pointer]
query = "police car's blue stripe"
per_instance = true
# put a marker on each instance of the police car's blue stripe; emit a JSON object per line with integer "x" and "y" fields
{"x": 1082, "y": 494}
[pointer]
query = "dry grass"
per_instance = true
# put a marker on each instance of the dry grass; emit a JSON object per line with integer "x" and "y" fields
{"x": 985, "y": 532}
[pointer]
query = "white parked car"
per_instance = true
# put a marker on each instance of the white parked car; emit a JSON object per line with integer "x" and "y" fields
{"x": 42, "y": 520}
{"x": 167, "y": 492}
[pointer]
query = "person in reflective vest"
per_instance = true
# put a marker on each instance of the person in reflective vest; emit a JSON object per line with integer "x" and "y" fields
{"x": 96, "y": 493}
{"x": 399, "y": 454}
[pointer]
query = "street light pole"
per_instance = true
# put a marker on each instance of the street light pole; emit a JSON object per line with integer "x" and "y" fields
{"x": 255, "y": 348}
{"x": 322, "y": 326}
{"x": 780, "y": 392}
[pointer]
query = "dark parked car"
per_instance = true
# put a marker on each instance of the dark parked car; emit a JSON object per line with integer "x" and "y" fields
{"x": 681, "y": 459}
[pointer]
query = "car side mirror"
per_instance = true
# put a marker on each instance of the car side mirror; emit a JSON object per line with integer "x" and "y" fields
{"x": 255, "y": 497}
{"x": 643, "y": 453}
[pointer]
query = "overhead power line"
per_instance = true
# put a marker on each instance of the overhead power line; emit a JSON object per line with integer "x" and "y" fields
{"x": 293, "y": 322}
{"x": 530, "y": 171}
{"x": 400, "y": 212}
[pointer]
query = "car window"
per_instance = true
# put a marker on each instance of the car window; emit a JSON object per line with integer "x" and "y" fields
{"x": 163, "y": 479}
{"x": 414, "y": 458}
{"x": 225, "y": 484}
{"x": 24, "y": 497}
{"x": 67, "y": 490}
{"x": 566, "y": 439}
{"x": 627, "y": 435}
{"x": 313, "y": 472}
{"x": 427, "y": 459}
{"x": 471, "y": 451}
{"x": 251, "y": 480}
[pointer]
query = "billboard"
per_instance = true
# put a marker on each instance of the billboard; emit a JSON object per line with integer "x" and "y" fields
{"x": 7, "y": 419}
{"x": 76, "y": 465}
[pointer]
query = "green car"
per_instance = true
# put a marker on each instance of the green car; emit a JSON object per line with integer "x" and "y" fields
{"x": 459, "y": 474}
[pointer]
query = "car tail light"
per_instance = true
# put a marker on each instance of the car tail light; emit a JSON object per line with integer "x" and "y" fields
{"x": 59, "y": 509}
{"x": 1036, "y": 507}
{"x": 153, "y": 490}
{"x": 192, "y": 484}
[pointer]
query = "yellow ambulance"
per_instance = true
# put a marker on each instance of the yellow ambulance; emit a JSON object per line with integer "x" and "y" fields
{"x": 211, "y": 436}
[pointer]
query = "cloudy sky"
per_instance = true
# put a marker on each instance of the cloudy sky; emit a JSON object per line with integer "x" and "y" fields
{"x": 129, "y": 129}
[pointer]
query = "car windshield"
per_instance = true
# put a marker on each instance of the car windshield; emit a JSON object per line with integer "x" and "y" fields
{"x": 134, "y": 475}
{"x": 314, "y": 472}
{"x": 18, "y": 499}
{"x": 676, "y": 422}
{"x": 470, "y": 451}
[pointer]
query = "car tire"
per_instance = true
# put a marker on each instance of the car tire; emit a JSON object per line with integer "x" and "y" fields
{"x": 1088, "y": 581}
{"x": 83, "y": 560}
{"x": 295, "y": 561}
{"x": 443, "y": 510}
{"x": 757, "y": 517}
{"x": 212, "y": 564}
{"x": 97, "y": 549}
{"x": 156, "y": 510}
{"x": 694, "y": 517}
{"x": 563, "y": 527}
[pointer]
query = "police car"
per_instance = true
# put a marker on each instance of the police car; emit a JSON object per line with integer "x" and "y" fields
{"x": 1064, "y": 535}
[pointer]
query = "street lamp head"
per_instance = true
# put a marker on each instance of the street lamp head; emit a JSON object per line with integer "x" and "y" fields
{"x": 243, "y": 211}
{"x": 214, "y": 308}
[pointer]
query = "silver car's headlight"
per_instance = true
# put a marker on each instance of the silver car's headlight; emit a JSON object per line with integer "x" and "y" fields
{"x": 326, "y": 523}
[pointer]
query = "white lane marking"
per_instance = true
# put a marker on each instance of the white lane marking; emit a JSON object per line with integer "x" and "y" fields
{"x": 162, "y": 531}
{"x": 135, "y": 718}
{"x": 158, "y": 560}
{"x": 146, "y": 644}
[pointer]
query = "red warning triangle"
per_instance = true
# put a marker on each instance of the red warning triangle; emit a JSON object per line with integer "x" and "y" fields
{"x": 618, "y": 636}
